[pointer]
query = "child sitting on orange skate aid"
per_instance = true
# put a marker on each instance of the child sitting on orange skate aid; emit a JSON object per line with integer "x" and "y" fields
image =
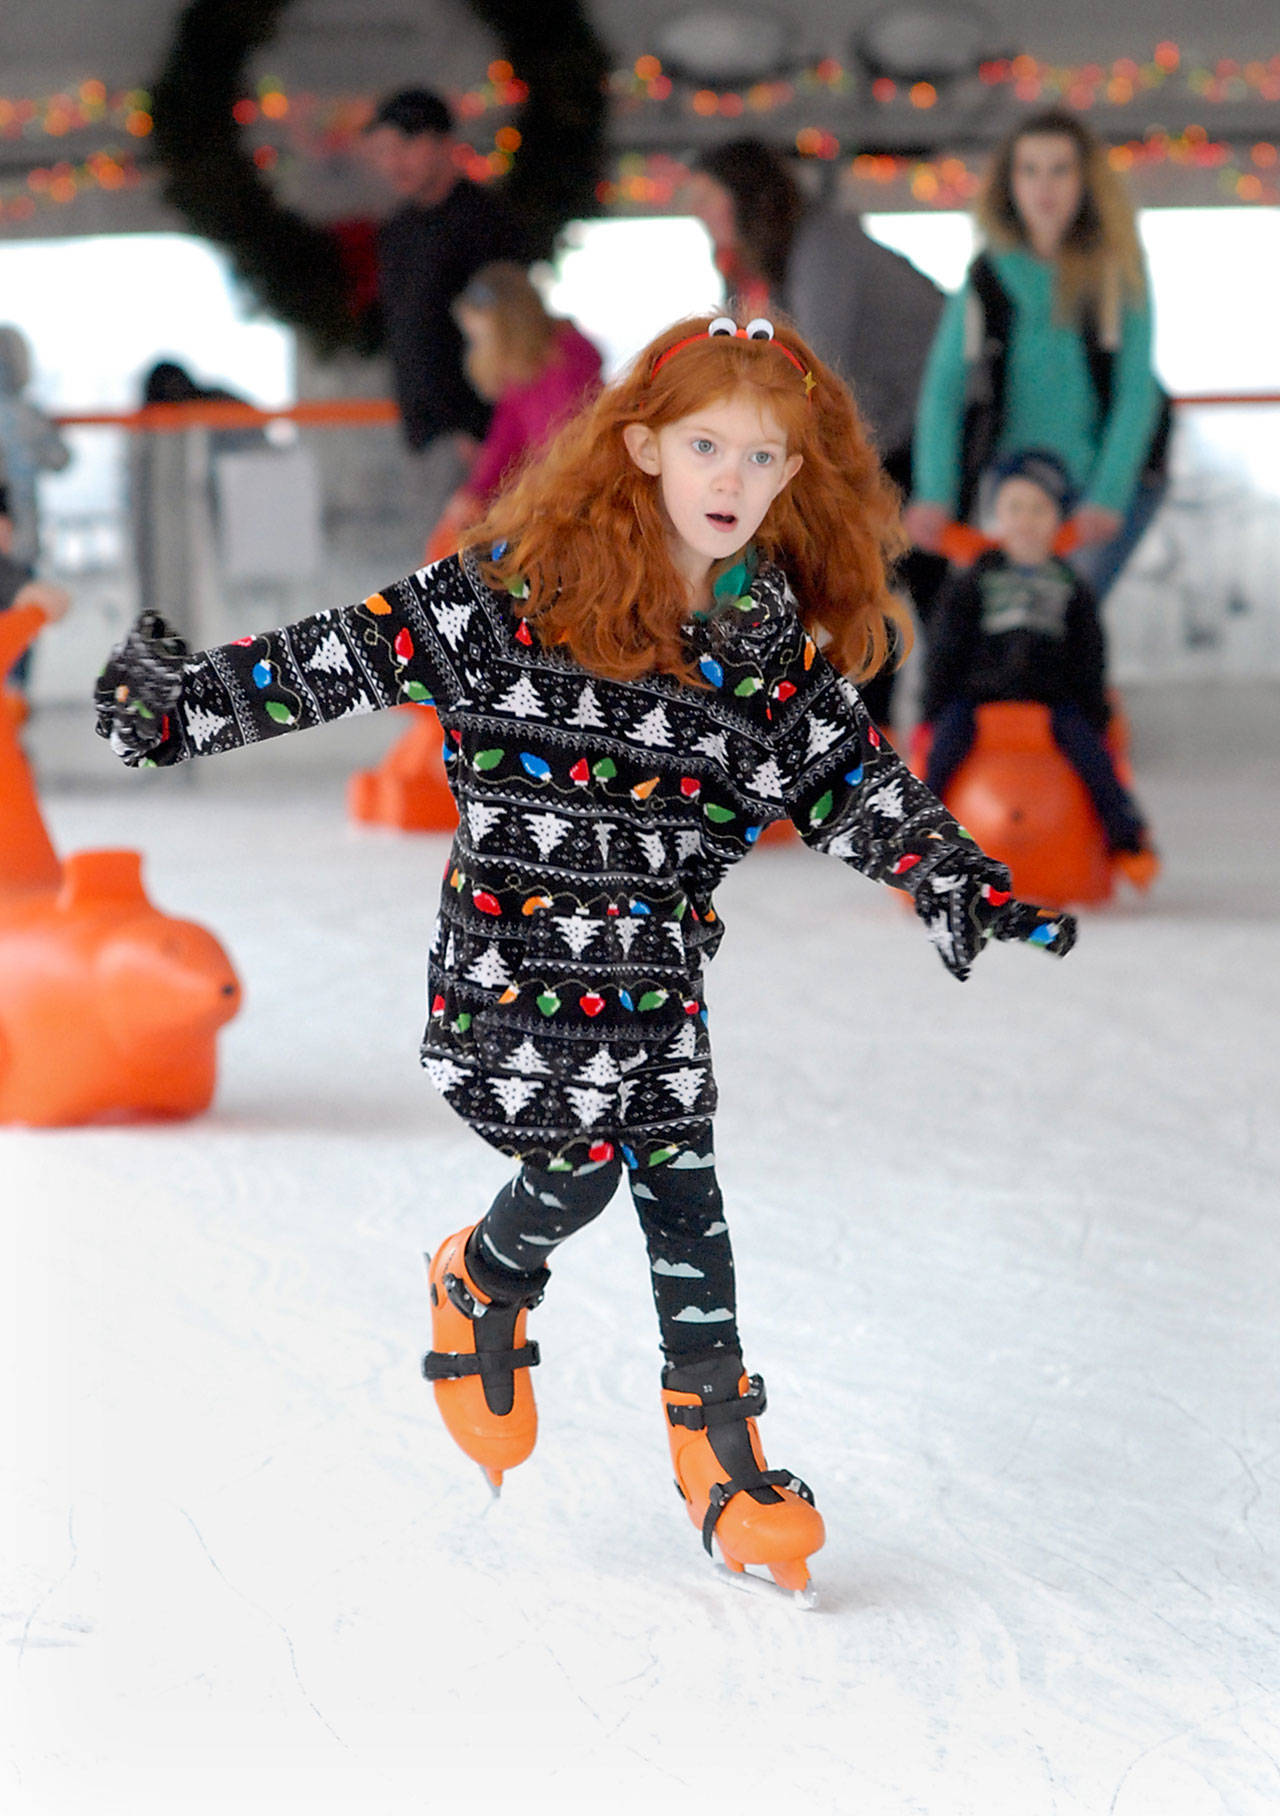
{"x": 1020, "y": 625}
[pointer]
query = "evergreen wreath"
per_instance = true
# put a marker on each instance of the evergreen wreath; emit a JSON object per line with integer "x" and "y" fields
{"x": 295, "y": 267}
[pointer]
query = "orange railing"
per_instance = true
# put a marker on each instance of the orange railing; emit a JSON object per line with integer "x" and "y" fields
{"x": 173, "y": 419}
{"x": 349, "y": 412}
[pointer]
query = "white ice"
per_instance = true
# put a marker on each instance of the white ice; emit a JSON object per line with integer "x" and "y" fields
{"x": 1007, "y": 1259}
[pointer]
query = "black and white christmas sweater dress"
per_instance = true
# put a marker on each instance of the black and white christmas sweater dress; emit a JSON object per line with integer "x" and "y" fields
{"x": 566, "y": 1017}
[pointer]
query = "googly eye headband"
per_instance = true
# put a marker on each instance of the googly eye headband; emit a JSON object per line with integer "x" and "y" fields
{"x": 725, "y": 326}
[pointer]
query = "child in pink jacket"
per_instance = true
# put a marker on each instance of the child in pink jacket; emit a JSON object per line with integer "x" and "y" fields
{"x": 535, "y": 370}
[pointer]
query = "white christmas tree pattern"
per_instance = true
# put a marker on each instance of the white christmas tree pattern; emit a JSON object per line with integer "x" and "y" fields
{"x": 451, "y": 619}
{"x": 576, "y": 930}
{"x": 490, "y": 970}
{"x": 482, "y": 818}
{"x": 587, "y": 712}
{"x": 203, "y": 725}
{"x": 521, "y": 700}
{"x": 513, "y": 1093}
{"x": 547, "y": 830}
{"x": 654, "y": 729}
{"x": 588, "y": 1103}
{"x": 330, "y": 656}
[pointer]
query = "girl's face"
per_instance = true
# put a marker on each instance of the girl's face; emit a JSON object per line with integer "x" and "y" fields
{"x": 718, "y": 471}
{"x": 1047, "y": 185}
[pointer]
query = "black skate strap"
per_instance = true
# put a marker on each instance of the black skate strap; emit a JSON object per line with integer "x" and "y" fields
{"x": 721, "y": 1412}
{"x": 723, "y": 1492}
{"x": 438, "y": 1365}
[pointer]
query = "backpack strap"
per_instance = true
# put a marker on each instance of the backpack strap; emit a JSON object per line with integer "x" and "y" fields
{"x": 1102, "y": 360}
{"x": 987, "y": 325}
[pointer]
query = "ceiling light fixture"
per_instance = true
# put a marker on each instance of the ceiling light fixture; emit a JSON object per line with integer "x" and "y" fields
{"x": 723, "y": 45}
{"x": 924, "y": 43}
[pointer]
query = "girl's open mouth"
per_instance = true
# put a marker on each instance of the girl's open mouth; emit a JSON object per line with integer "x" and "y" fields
{"x": 723, "y": 520}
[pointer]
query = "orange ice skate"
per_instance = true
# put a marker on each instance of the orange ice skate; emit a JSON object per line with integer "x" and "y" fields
{"x": 479, "y": 1363}
{"x": 756, "y": 1515}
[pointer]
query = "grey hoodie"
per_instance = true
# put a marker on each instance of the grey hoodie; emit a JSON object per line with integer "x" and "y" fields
{"x": 869, "y": 313}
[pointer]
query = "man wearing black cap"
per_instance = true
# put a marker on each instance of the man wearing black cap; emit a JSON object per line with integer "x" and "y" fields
{"x": 427, "y": 250}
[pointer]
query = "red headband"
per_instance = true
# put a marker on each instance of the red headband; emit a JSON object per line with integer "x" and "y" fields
{"x": 724, "y": 326}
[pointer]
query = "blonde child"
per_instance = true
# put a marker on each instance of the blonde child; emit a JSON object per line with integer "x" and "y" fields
{"x": 534, "y": 369}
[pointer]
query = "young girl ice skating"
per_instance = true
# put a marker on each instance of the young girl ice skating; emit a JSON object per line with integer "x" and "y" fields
{"x": 638, "y": 665}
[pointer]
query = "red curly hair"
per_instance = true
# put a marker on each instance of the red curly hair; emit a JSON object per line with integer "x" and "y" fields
{"x": 584, "y": 527}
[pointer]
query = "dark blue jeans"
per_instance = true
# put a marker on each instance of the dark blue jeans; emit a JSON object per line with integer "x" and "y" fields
{"x": 1081, "y": 744}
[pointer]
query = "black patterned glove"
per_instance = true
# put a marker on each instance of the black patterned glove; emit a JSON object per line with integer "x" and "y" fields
{"x": 138, "y": 690}
{"x": 966, "y": 900}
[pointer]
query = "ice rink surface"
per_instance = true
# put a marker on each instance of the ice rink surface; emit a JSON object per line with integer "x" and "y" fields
{"x": 1007, "y": 1258}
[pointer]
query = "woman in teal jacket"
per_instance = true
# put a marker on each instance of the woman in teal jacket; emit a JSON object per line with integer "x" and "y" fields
{"x": 1047, "y": 344}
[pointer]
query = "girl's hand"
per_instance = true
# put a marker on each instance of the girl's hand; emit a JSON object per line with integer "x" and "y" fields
{"x": 966, "y": 901}
{"x": 1093, "y": 524}
{"x": 138, "y": 689}
{"x": 925, "y": 524}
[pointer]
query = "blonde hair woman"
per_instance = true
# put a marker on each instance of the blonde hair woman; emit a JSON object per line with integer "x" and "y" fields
{"x": 1048, "y": 345}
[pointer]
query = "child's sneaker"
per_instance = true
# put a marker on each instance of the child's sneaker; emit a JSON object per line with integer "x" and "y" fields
{"x": 1139, "y": 868}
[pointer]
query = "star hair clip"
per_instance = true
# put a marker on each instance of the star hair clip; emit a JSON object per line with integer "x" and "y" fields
{"x": 759, "y": 329}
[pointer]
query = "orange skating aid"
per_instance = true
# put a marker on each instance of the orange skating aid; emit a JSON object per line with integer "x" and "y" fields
{"x": 479, "y": 1363}
{"x": 409, "y": 789}
{"x": 108, "y": 1008}
{"x": 29, "y": 860}
{"x": 755, "y": 1514}
{"x": 1022, "y": 801}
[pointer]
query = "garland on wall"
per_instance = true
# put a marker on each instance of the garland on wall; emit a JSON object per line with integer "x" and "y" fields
{"x": 645, "y": 183}
{"x": 1030, "y": 79}
{"x": 568, "y": 176}
{"x": 308, "y": 274}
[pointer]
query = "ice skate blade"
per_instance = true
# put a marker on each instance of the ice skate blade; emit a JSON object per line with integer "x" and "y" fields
{"x": 805, "y": 1599}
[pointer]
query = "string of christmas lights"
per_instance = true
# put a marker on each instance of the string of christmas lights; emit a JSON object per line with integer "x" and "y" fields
{"x": 89, "y": 105}
{"x": 1080, "y": 86}
{"x": 1244, "y": 174}
{"x": 310, "y": 127}
{"x": 57, "y": 184}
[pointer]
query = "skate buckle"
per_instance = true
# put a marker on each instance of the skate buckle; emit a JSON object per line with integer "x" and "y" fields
{"x": 721, "y": 1493}
{"x": 440, "y": 1365}
{"x": 460, "y": 1296}
{"x": 721, "y": 1412}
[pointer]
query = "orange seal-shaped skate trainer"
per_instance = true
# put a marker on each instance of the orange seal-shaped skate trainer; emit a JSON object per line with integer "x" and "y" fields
{"x": 408, "y": 789}
{"x": 108, "y": 1007}
{"x": 1025, "y": 805}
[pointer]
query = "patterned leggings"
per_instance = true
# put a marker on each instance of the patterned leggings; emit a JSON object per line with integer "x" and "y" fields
{"x": 681, "y": 1214}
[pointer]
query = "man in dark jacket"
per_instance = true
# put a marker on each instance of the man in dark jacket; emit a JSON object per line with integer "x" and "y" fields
{"x": 428, "y": 249}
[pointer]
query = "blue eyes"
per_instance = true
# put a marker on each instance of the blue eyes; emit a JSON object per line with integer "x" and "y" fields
{"x": 702, "y": 444}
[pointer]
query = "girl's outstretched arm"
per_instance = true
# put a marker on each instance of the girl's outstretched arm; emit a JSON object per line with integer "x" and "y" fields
{"x": 422, "y": 639}
{"x": 849, "y": 793}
